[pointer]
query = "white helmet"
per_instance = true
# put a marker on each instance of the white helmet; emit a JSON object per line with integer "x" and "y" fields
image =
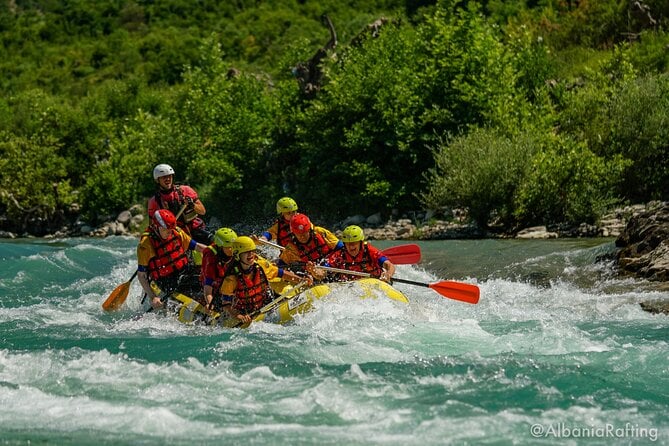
{"x": 162, "y": 170}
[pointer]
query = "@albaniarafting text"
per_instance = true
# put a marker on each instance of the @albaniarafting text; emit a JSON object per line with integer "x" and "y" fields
{"x": 562, "y": 430}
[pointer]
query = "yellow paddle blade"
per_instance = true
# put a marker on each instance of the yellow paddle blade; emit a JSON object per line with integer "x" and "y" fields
{"x": 117, "y": 297}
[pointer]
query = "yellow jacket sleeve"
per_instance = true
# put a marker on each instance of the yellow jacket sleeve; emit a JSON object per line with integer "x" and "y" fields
{"x": 271, "y": 270}
{"x": 229, "y": 286}
{"x": 329, "y": 237}
{"x": 145, "y": 251}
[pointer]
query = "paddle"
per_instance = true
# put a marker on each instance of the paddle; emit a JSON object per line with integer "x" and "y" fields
{"x": 274, "y": 303}
{"x": 118, "y": 296}
{"x": 403, "y": 254}
{"x": 120, "y": 293}
{"x": 464, "y": 292}
{"x": 399, "y": 255}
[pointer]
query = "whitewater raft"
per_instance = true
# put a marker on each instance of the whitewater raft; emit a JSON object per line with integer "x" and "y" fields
{"x": 291, "y": 302}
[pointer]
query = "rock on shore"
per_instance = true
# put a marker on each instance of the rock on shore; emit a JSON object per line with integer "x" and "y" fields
{"x": 645, "y": 249}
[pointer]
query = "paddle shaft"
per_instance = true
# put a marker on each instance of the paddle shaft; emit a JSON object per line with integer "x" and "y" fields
{"x": 344, "y": 271}
{"x": 464, "y": 292}
{"x": 399, "y": 255}
{"x": 361, "y": 274}
{"x": 274, "y": 245}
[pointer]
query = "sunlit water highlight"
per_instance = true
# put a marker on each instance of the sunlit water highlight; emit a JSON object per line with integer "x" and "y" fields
{"x": 557, "y": 340}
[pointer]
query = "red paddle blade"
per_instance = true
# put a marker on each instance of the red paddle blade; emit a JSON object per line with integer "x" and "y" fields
{"x": 465, "y": 292}
{"x": 403, "y": 254}
{"x": 117, "y": 297}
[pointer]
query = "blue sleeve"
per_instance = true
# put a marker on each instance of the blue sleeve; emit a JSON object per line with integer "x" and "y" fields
{"x": 208, "y": 281}
{"x": 192, "y": 244}
{"x": 339, "y": 245}
{"x": 141, "y": 268}
{"x": 280, "y": 263}
{"x": 280, "y": 272}
{"x": 226, "y": 298}
{"x": 382, "y": 260}
{"x": 267, "y": 235}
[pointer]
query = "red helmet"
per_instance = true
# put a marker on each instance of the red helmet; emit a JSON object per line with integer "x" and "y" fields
{"x": 165, "y": 219}
{"x": 300, "y": 224}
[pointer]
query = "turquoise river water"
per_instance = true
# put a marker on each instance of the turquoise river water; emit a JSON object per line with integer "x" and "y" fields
{"x": 557, "y": 351}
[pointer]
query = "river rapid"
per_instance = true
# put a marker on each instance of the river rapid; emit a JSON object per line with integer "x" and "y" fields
{"x": 557, "y": 351}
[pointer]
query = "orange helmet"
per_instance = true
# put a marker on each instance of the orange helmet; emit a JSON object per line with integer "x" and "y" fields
{"x": 165, "y": 219}
{"x": 300, "y": 224}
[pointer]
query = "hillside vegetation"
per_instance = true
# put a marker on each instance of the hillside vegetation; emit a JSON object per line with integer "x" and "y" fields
{"x": 522, "y": 111}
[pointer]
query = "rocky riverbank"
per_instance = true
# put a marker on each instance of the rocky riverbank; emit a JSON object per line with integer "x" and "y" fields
{"x": 423, "y": 226}
{"x": 417, "y": 226}
{"x": 644, "y": 250}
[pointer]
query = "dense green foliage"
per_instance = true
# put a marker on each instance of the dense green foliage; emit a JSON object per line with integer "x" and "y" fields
{"x": 524, "y": 112}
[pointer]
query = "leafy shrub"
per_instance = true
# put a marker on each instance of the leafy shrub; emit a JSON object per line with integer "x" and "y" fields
{"x": 567, "y": 183}
{"x": 34, "y": 184}
{"x": 480, "y": 170}
{"x": 638, "y": 118}
{"x": 124, "y": 177}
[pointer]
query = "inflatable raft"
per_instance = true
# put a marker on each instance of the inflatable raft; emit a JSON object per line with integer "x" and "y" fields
{"x": 291, "y": 301}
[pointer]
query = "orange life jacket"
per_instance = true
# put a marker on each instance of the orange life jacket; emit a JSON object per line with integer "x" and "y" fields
{"x": 283, "y": 234}
{"x": 253, "y": 292}
{"x": 315, "y": 249}
{"x": 362, "y": 262}
{"x": 170, "y": 255}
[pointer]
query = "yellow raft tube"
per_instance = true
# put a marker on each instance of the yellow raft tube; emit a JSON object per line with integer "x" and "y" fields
{"x": 291, "y": 301}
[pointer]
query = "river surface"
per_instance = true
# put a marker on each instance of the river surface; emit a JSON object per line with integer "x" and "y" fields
{"x": 557, "y": 351}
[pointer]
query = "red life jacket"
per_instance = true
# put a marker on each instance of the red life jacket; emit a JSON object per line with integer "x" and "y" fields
{"x": 222, "y": 265}
{"x": 315, "y": 249}
{"x": 170, "y": 255}
{"x": 363, "y": 262}
{"x": 283, "y": 234}
{"x": 253, "y": 292}
{"x": 172, "y": 200}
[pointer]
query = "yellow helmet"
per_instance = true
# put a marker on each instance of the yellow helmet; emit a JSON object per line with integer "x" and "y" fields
{"x": 243, "y": 244}
{"x": 286, "y": 204}
{"x": 352, "y": 233}
{"x": 224, "y": 237}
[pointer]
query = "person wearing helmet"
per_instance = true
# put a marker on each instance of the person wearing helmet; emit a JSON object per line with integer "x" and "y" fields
{"x": 279, "y": 232}
{"x": 358, "y": 255}
{"x": 161, "y": 256}
{"x": 308, "y": 243}
{"x": 246, "y": 287}
{"x": 174, "y": 197}
{"x": 216, "y": 259}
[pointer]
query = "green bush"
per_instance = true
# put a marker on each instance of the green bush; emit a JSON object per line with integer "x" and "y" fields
{"x": 124, "y": 177}
{"x": 617, "y": 113}
{"x": 34, "y": 185}
{"x": 481, "y": 170}
{"x": 567, "y": 183}
{"x": 639, "y": 131}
